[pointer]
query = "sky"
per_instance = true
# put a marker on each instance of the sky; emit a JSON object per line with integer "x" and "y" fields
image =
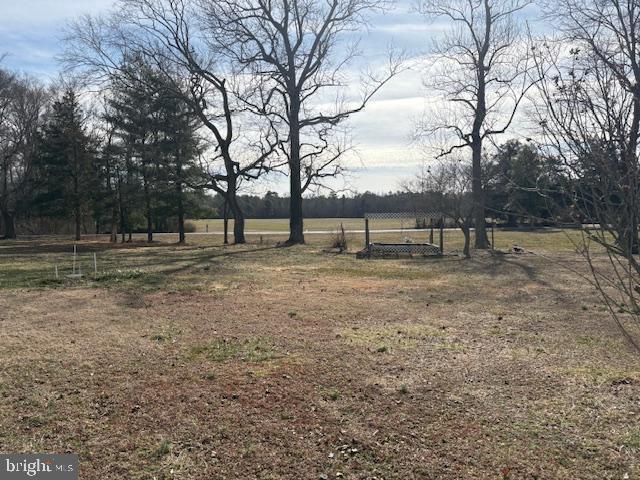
{"x": 30, "y": 32}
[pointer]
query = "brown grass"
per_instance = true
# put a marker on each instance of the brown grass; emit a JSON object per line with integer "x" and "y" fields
{"x": 246, "y": 363}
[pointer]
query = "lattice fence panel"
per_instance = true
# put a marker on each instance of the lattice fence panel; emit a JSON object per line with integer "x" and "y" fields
{"x": 422, "y": 214}
{"x": 404, "y": 248}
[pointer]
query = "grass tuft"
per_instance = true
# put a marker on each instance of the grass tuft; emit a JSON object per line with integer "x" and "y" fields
{"x": 395, "y": 336}
{"x": 163, "y": 449}
{"x": 223, "y": 350}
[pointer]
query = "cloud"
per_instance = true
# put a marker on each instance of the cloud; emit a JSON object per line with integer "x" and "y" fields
{"x": 38, "y": 13}
{"x": 30, "y": 32}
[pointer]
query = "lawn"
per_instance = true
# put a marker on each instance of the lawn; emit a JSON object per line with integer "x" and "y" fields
{"x": 255, "y": 362}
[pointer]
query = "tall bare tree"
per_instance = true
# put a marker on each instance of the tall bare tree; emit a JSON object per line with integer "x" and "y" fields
{"x": 292, "y": 50}
{"x": 480, "y": 68}
{"x": 589, "y": 117}
{"x": 167, "y": 35}
{"x": 22, "y": 103}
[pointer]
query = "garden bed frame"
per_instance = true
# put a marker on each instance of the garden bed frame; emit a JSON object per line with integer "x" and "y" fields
{"x": 396, "y": 249}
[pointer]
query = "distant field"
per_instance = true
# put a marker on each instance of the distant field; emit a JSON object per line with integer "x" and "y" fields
{"x": 282, "y": 224}
{"x": 274, "y": 230}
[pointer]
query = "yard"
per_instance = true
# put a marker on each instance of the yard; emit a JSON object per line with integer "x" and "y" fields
{"x": 255, "y": 362}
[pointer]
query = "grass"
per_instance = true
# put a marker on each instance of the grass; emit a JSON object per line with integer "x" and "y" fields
{"x": 633, "y": 440}
{"x": 155, "y": 266}
{"x": 207, "y": 362}
{"x": 163, "y": 449}
{"x": 545, "y": 238}
{"x": 222, "y": 350}
{"x": 391, "y": 337}
{"x": 311, "y": 224}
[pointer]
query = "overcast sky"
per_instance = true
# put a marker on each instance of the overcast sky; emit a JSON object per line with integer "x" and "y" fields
{"x": 30, "y": 32}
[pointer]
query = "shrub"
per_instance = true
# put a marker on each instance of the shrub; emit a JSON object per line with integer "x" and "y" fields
{"x": 339, "y": 240}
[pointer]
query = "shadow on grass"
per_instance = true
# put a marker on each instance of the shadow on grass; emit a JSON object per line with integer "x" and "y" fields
{"x": 35, "y": 266}
{"x": 35, "y": 247}
{"x": 185, "y": 263}
{"x": 501, "y": 264}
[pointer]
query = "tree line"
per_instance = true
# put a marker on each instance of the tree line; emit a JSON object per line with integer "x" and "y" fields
{"x": 512, "y": 181}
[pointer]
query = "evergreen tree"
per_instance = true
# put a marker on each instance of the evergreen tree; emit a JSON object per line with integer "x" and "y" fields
{"x": 66, "y": 169}
{"x": 159, "y": 143}
{"x": 178, "y": 149}
{"x": 517, "y": 176}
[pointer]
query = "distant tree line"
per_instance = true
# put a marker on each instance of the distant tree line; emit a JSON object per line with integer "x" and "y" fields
{"x": 513, "y": 179}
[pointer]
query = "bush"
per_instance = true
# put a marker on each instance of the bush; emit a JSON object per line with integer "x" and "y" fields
{"x": 190, "y": 227}
{"x": 339, "y": 240}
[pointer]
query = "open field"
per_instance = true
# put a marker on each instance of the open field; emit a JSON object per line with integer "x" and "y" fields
{"x": 310, "y": 224}
{"x": 255, "y": 362}
{"x": 275, "y": 230}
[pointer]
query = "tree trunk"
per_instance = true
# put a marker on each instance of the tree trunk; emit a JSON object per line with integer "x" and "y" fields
{"x": 147, "y": 203}
{"x": 225, "y": 221}
{"x": 296, "y": 219}
{"x": 114, "y": 203}
{"x": 78, "y": 222}
{"x": 7, "y": 218}
{"x": 296, "y": 225}
{"x": 123, "y": 224}
{"x": 467, "y": 241}
{"x": 477, "y": 192}
{"x": 238, "y": 220}
{"x": 9, "y": 226}
{"x": 77, "y": 207}
{"x": 114, "y": 222}
{"x": 181, "y": 233}
{"x": 149, "y": 223}
{"x": 628, "y": 237}
{"x": 231, "y": 199}
{"x": 630, "y": 174}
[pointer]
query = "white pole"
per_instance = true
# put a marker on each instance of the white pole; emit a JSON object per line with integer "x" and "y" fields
{"x": 74, "y": 259}
{"x": 95, "y": 264}
{"x": 57, "y": 277}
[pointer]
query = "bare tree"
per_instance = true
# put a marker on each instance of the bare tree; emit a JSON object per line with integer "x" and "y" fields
{"x": 480, "y": 68}
{"x": 166, "y": 35}
{"x": 111, "y": 158}
{"x": 291, "y": 49}
{"x": 589, "y": 116}
{"x": 448, "y": 186}
{"x": 8, "y": 147}
{"x": 22, "y": 102}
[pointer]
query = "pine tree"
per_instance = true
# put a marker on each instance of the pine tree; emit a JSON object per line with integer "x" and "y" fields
{"x": 179, "y": 147}
{"x": 158, "y": 134}
{"x": 66, "y": 170}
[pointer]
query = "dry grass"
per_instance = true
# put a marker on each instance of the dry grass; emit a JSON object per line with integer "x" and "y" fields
{"x": 204, "y": 362}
